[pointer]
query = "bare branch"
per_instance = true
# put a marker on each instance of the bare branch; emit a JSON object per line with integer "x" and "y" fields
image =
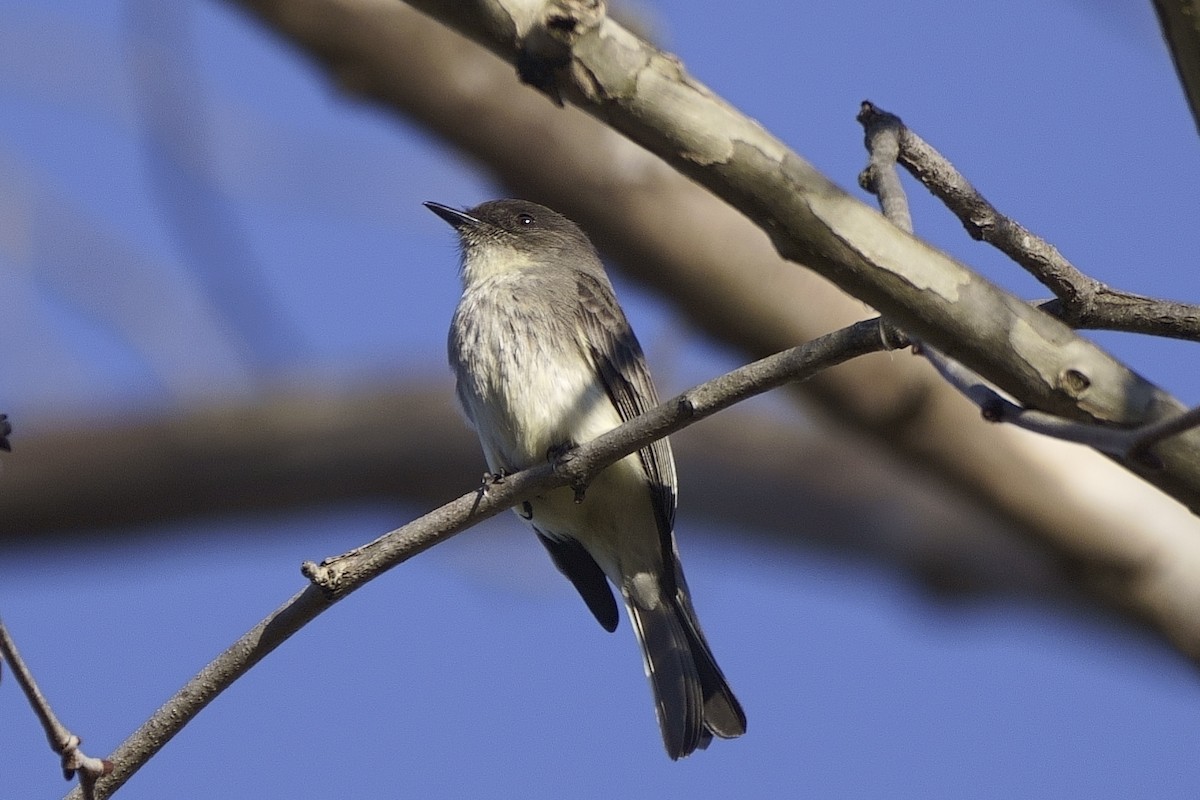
{"x": 884, "y": 133}
{"x": 62, "y": 741}
{"x": 1083, "y": 302}
{"x": 1116, "y": 310}
{"x": 336, "y": 578}
{"x": 1128, "y": 443}
{"x": 879, "y": 178}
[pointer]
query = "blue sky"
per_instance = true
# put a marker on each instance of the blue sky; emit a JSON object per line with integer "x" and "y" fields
{"x": 474, "y": 670}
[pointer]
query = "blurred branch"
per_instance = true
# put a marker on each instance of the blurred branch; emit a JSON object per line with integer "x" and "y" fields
{"x": 723, "y": 274}
{"x": 1180, "y": 23}
{"x": 63, "y": 256}
{"x": 1083, "y": 301}
{"x": 284, "y": 450}
{"x": 175, "y": 144}
{"x": 336, "y": 578}
{"x": 404, "y": 444}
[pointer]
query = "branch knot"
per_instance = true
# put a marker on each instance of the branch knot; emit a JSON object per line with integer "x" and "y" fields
{"x": 546, "y": 48}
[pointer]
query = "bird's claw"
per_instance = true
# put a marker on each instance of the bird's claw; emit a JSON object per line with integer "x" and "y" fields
{"x": 561, "y": 453}
{"x": 491, "y": 479}
{"x": 557, "y": 452}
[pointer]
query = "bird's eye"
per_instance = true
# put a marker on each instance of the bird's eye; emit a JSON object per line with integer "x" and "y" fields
{"x": 525, "y": 219}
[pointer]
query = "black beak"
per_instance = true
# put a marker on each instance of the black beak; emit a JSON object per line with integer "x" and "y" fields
{"x": 459, "y": 219}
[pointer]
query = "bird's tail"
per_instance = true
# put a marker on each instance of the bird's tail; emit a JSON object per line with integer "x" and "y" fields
{"x": 691, "y": 696}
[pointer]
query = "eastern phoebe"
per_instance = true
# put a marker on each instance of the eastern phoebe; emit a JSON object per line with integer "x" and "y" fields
{"x": 545, "y": 360}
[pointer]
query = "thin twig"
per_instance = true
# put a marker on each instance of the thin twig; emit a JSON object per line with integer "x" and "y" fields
{"x": 1082, "y": 301}
{"x": 1124, "y": 443}
{"x": 338, "y": 577}
{"x": 62, "y": 741}
{"x": 880, "y": 178}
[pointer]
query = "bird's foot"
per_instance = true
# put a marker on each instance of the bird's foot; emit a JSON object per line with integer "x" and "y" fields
{"x": 491, "y": 479}
{"x": 557, "y": 452}
{"x": 560, "y": 453}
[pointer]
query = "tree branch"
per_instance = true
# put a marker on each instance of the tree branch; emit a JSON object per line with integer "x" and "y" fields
{"x": 1082, "y": 301}
{"x": 1126, "y": 443}
{"x": 336, "y": 578}
{"x": 888, "y": 140}
{"x": 62, "y": 741}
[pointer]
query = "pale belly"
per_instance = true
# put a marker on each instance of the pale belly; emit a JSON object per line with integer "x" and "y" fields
{"x": 531, "y": 391}
{"x": 530, "y": 386}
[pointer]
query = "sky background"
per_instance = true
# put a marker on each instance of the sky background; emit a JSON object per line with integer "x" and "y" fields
{"x": 474, "y": 670}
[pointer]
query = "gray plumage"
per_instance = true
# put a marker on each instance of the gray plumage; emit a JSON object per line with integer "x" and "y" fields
{"x": 545, "y": 359}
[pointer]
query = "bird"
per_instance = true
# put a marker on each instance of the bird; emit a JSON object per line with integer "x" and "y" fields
{"x": 544, "y": 360}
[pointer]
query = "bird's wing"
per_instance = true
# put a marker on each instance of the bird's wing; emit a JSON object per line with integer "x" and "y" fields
{"x": 578, "y": 565}
{"x": 622, "y": 367}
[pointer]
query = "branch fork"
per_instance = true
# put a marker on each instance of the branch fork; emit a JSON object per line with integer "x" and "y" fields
{"x": 889, "y": 142}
